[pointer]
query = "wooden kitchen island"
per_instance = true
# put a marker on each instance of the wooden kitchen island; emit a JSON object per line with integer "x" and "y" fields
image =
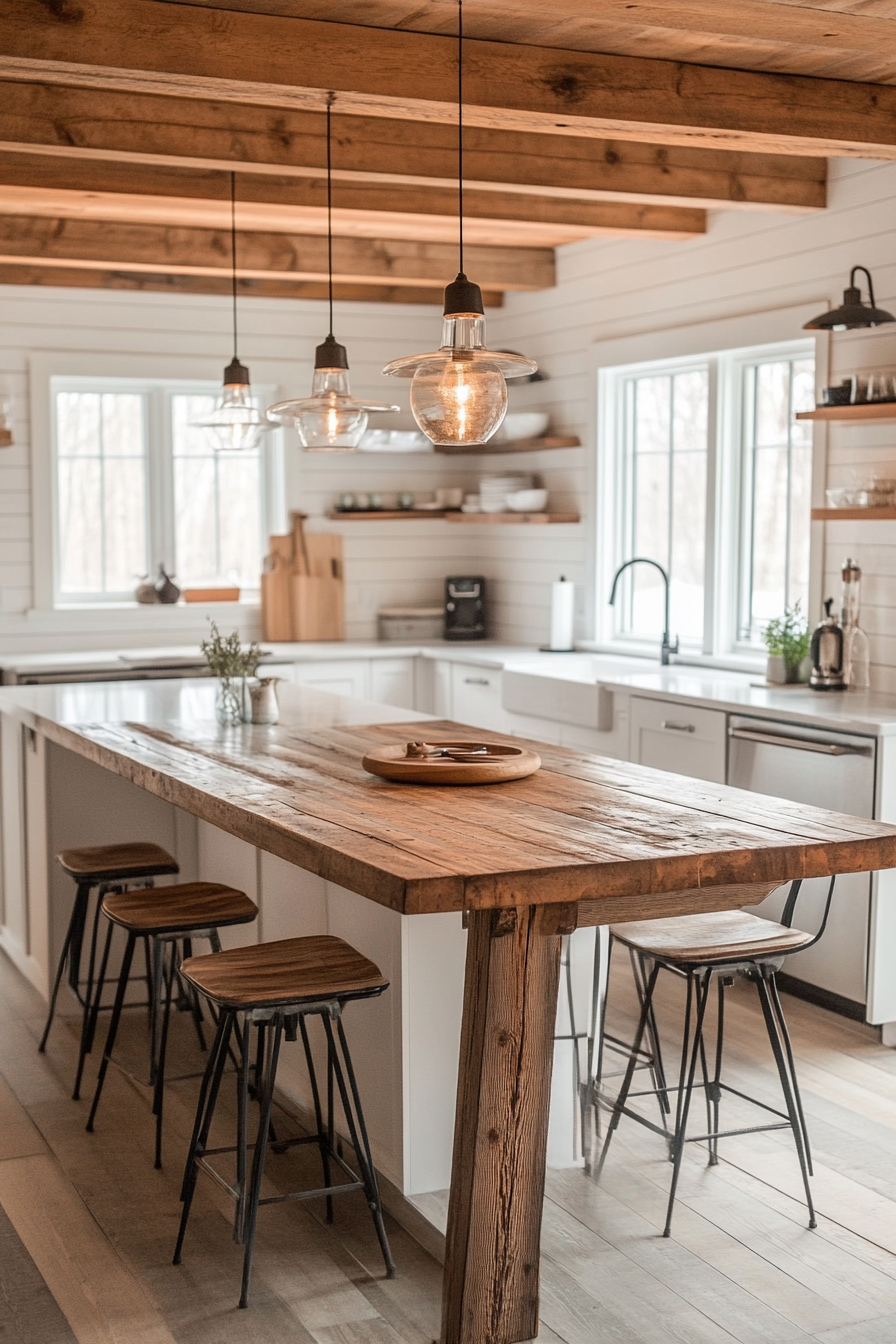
{"x": 584, "y": 841}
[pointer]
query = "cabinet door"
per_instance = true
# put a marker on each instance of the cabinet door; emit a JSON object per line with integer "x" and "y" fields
{"x": 672, "y": 736}
{"x": 476, "y": 695}
{"x": 442, "y": 694}
{"x": 349, "y": 676}
{"x": 392, "y": 682}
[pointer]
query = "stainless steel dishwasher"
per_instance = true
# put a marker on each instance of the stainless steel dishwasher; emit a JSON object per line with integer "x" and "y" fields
{"x": 827, "y": 769}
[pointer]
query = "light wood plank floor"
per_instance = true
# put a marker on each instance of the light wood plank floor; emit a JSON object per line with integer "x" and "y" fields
{"x": 740, "y": 1266}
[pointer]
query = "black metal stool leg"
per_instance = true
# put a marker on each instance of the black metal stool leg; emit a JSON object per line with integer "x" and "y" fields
{"x": 91, "y": 1013}
{"x": 795, "y": 1125}
{"x": 785, "y": 1036}
{"x": 67, "y": 956}
{"x": 159, "y": 1091}
{"x": 657, "y": 1069}
{"x": 113, "y": 1025}
{"x": 318, "y": 1114}
{"x": 208, "y": 1096}
{"x": 716, "y": 1093}
{"x": 687, "y": 1084}
{"x": 267, "y": 1100}
{"x": 358, "y": 1129}
{"x": 630, "y": 1070}
{"x": 242, "y": 1124}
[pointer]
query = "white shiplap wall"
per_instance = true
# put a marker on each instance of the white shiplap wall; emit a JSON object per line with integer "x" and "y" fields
{"x": 747, "y": 263}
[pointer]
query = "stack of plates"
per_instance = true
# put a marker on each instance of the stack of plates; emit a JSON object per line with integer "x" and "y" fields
{"x": 493, "y": 490}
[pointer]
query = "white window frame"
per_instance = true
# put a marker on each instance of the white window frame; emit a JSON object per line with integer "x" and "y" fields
{"x": 129, "y": 373}
{"x": 727, "y": 346}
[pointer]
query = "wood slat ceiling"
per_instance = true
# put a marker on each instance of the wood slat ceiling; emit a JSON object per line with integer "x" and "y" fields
{"x": 120, "y": 121}
{"x": 839, "y": 39}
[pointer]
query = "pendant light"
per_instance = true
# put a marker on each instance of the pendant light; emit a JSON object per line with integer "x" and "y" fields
{"x": 853, "y": 312}
{"x": 459, "y": 392}
{"x": 236, "y": 424}
{"x": 331, "y": 420}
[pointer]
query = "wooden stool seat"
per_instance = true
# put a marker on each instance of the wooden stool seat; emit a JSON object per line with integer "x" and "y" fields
{"x": 292, "y": 970}
{"x": 180, "y": 909}
{"x": 106, "y": 863}
{"x": 729, "y": 935}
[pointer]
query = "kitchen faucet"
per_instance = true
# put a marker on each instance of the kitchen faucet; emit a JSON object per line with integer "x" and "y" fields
{"x": 667, "y": 646}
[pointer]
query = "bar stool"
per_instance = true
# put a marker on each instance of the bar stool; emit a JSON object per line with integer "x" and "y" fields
{"x": 275, "y": 986}
{"x": 703, "y": 948}
{"x": 105, "y": 867}
{"x": 166, "y": 919}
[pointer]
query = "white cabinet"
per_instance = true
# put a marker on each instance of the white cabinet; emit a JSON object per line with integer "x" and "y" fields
{"x": 392, "y": 682}
{"x": 670, "y": 735}
{"x": 613, "y": 742}
{"x": 342, "y": 676}
{"x": 476, "y": 696}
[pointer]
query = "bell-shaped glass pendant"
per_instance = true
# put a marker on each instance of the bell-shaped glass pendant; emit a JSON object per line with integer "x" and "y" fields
{"x": 331, "y": 420}
{"x": 459, "y": 392}
{"x": 236, "y": 424}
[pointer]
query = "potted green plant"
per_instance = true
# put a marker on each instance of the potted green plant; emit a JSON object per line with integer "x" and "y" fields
{"x": 231, "y": 663}
{"x": 787, "y": 641}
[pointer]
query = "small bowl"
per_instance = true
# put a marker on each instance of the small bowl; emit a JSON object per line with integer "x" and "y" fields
{"x": 528, "y": 501}
{"x": 522, "y": 425}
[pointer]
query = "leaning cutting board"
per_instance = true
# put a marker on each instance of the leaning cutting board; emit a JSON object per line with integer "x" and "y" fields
{"x": 318, "y": 598}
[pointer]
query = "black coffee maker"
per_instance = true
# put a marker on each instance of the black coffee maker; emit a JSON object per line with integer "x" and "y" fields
{"x": 465, "y": 607}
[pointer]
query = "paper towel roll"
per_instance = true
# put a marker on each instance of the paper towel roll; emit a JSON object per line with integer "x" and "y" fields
{"x": 563, "y": 596}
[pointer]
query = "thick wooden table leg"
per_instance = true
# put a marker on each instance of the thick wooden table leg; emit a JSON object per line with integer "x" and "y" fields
{"x": 500, "y": 1135}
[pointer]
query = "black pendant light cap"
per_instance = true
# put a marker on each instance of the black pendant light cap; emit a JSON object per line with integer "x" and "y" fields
{"x": 236, "y": 373}
{"x": 463, "y": 298}
{"x": 331, "y": 355}
{"x": 852, "y": 314}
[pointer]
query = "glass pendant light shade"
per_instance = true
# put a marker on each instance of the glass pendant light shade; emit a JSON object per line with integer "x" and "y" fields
{"x": 331, "y": 420}
{"x": 853, "y": 313}
{"x": 459, "y": 392}
{"x": 236, "y": 424}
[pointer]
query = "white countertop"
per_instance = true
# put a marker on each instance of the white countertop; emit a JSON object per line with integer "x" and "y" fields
{"x": 737, "y": 692}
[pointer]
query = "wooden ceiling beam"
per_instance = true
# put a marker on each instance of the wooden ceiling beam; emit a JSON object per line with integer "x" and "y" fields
{"x": 137, "y": 193}
{"x": 190, "y": 51}
{"x": 18, "y": 273}
{"x": 96, "y": 245}
{"x": 211, "y": 135}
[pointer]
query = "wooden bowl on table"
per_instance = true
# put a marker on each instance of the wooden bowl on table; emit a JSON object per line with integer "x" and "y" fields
{"x": 452, "y": 762}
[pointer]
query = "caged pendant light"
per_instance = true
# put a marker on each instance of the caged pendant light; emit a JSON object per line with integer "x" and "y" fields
{"x": 331, "y": 420}
{"x": 459, "y": 392}
{"x": 236, "y": 424}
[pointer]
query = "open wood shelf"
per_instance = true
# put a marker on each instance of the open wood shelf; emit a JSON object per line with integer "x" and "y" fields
{"x": 449, "y": 515}
{"x": 537, "y": 518}
{"x": 853, "y": 515}
{"x": 517, "y": 445}
{"x": 863, "y": 410}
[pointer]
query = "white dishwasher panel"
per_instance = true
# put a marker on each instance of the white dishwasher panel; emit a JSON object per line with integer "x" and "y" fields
{"x": 824, "y": 769}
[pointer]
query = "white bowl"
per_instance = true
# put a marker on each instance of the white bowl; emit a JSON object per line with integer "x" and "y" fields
{"x": 528, "y": 501}
{"x": 523, "y": 425}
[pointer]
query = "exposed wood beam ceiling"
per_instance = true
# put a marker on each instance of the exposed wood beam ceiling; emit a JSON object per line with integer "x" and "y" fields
{"x": 119, "y": 119}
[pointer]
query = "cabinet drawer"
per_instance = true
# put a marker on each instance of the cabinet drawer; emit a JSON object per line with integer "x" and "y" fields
{"x": 672, "y": 736}
{"x": 476, "y": 696}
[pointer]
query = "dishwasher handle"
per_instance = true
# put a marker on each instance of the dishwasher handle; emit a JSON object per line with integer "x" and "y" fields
{"x": 797, "y": 743}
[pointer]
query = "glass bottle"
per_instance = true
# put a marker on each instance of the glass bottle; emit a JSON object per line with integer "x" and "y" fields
{"x": 857, "y": 654}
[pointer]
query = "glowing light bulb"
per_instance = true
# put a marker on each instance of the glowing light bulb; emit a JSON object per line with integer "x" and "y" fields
{"x": 331, "y": 420}
{"x": 236, "y": 424}
{"x": 459, "y": 392}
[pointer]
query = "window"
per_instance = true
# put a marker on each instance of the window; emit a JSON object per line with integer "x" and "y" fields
{"x": 706, "y": 470}
{"x": 138, "y": 485}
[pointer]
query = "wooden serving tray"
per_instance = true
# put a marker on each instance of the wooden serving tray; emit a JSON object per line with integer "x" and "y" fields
{"x": 502, "y": 763}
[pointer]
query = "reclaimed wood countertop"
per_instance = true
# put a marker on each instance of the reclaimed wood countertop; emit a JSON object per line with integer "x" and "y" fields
{"x": 583, "y": 829}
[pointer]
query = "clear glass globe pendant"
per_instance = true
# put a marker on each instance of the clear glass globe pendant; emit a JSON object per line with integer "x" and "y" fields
{"x": 236, "y": 425}
{"x": 331, "y": 420}
{"x": 459, "y": 392}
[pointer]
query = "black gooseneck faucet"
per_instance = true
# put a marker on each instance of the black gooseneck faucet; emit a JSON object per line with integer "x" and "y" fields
{"x": 667, "y": 647}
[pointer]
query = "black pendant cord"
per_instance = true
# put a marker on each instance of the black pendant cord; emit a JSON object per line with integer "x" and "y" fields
{"x": 331, "y": 98}
{"x": 233, "y": 257}
{"x": 460, "y": 131}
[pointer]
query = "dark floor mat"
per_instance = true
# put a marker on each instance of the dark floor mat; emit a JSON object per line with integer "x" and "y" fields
{"x": 29, "y": 1313}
